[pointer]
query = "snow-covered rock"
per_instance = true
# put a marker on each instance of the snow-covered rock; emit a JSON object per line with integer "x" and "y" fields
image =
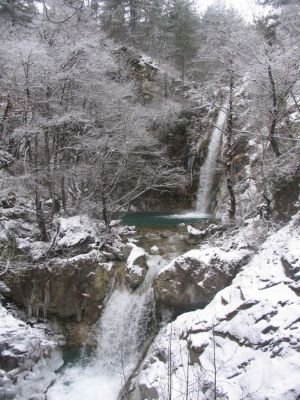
{"x": 194, "y": 233}
{"x": 136, "y": 267}
{"x": 154, "y": 250}
{"x": 35, "y": 249}
{"x": 244, "y": 343}
{"x": 197, "y": 234}
{"x": 28, "y": 358}
{"x": 77, "y": 232}
{"x": 6, "y": 159}
{"x": 191, "y": 280}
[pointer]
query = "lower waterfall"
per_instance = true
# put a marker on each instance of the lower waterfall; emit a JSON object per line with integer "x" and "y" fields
{"x": 208, "y": 169}
{"x": 122, "y": 331}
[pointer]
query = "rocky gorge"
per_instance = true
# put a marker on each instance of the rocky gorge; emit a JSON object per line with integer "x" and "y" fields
{"x": 223, "y": 279}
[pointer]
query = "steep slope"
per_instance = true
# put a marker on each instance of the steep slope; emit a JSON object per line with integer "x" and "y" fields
{"x": 244, "y": 343}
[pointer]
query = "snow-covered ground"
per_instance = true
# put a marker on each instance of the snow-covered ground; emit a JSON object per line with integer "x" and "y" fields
{"x": 245, "y": 343}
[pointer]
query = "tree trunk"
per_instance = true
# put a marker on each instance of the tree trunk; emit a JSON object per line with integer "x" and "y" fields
{"x": 183, "y": 68}
{"x": 274, "y": 115}
{"x": 40, "y": 216}
{"x": 228, "y": 152}
{"x": 38, "y": 203}
{"x": 53, "y": 178}
{"x": 133, "y": 16}
{"x": 48, "y": 162}
{"x": 94, "y": 7}
{"x": 104, "y": 212}
{"x": 63, "y": 193}
{"x": 8, "y": 107}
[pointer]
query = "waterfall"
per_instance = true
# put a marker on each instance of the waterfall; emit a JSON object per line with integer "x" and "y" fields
{"x": 208, "y": 169}
{"x": 122, "y": 331}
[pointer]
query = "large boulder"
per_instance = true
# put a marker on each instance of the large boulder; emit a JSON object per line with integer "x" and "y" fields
{"x": 136, "y": 267}
{"x": 193, "y": 279}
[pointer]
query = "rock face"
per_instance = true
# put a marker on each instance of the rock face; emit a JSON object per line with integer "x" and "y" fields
{"x": 73, "y": 283}
{"x": 72, "y": 288}
{"x": 136, "y": 267}
{"x": 287, "y": 195}
{"x": 193, "y": 279}
{"x": 28, "y": 359}
{"x": 244, "y": 343}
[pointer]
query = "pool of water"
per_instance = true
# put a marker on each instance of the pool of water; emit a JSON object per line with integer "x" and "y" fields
{"x": 157, "y": 219}
{"x": 74, "y": 355}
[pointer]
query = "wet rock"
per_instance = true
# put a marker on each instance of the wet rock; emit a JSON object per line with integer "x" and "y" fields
{"x": 193, "y": 279}
{"x": 81, "y": 334}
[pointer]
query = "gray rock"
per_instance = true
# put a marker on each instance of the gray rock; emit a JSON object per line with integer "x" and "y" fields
{"x": 193, "y": 279}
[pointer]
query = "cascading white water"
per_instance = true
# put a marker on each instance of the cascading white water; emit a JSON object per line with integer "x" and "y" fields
{"x": 207, "y": 173}
{"x": 122, "y": 332}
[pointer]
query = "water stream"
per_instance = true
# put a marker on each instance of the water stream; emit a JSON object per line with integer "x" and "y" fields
{"x": 208, "y": 170}
{"x": 122, "y": 331}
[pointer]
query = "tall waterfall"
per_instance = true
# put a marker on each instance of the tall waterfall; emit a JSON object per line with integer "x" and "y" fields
{"x": 208, "y": 169}
{"x": 122, "y": 331}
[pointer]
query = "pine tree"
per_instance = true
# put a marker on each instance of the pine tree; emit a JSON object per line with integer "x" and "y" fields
{"x": 152, "y": 28}
{"x": 183, "y": 24}
{"x": 18, "y": 11}
{"x": 113, "y": 17}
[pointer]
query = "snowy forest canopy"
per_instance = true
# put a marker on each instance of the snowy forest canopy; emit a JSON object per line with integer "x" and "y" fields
{"x": 79, "y": 125}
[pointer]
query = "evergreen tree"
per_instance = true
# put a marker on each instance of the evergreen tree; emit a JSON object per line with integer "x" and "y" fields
{"x": 152, "y": 32}
{"x": 183, "y": 24}
{"x": 113, "y": 17}
{"x": 18, "y": 11}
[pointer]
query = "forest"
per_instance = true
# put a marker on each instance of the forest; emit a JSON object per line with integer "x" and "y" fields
{"x": 77, "y": 123}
